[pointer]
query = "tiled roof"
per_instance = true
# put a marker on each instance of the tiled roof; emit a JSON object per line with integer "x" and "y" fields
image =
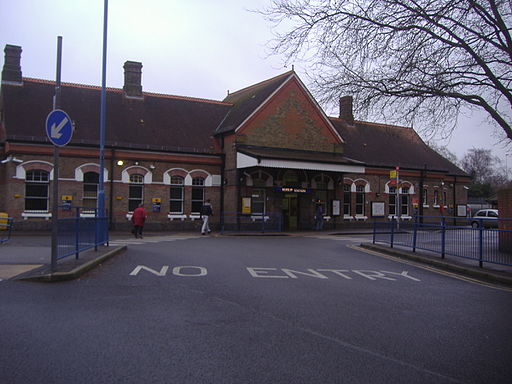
{"x": 247, "y": 100}
{"x": 382, "y": 145}
{"x": 160, "y": 122}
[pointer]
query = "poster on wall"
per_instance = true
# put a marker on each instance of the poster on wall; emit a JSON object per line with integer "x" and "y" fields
{"x": 246, "y": 205}
{"x": 378, "y": 209}
{"x": 335, "y": 207}
{"x": 462, "y": 210}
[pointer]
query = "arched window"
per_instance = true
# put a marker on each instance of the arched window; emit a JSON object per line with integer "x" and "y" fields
{"x": 136, "y": 191}
{"x": 197, "y": 194}
{"x": 90, "y": 195}
{"x": 36, "y": 190}
{"x": 176, "y": 195}
{"x": 392, "y": 200}
{"x": 321, "y": 182}
{"x": 360, "y": 199}
{"x": 404, "y": 198}
{"x": 291, "y": 179}
{"x": 347, "y": 199}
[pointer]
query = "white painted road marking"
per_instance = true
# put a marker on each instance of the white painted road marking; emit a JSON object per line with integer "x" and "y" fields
{"x": 282, "y": 273}
{"x": 431, "y": 269}
{"x": 176, "y": 271}
{"x": 285, "y": 273}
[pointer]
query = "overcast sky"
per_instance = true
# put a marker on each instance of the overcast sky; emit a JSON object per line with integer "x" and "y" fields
{"x": 197, "y": 48}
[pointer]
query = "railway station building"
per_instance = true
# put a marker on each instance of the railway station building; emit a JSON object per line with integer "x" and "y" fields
{"x": 267, "y": 153}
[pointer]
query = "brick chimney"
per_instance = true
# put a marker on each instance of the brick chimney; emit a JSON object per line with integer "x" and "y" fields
{"x": 11, "y": 73}
{"x": 346, "y": 109}
{"x": 133, "y": 79}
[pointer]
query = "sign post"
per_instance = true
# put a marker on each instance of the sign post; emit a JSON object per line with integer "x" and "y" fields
{"x": 59, "y": 129}
{"x": 55, "y": 131}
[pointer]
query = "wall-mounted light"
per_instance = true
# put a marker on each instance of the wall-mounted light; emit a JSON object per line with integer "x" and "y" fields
{"x": 136, "y": 163}
{"x": 152, "y": 166}
{"x": 11, "y": 158}
{"x": 120, "y": 162}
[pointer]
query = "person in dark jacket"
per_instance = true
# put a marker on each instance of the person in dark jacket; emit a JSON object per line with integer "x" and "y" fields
{"x": 319, "y": 216}
{"x": 206, "y": 212}
{"x": 138, "y": 219}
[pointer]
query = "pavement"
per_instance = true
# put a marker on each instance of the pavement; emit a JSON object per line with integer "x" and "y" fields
{"x": 26, "y": 256}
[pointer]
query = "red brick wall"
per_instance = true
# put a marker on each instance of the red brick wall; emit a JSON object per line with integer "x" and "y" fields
{"x": 290, "y": 120}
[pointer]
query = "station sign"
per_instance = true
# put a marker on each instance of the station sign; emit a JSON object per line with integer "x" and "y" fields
{"x": 292, "y": 190}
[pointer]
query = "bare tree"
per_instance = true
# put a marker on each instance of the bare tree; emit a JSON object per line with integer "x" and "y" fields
{"x": 414, "y": 61}
{"x": 480, "y": 164}
{"x": 444, "y": 151}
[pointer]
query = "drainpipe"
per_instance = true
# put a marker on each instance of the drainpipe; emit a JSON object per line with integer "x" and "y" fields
{"x": 111, "y": 202}
{"x": 420, "y": 202}
{"x": 222, "y": 182}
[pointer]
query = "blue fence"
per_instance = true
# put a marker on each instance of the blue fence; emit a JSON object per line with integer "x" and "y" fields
{"x": 238, "y": 222}
{"x": 78, "y": 234}
{"x": 5, "y": 229}
{"x": 435, "y": 234}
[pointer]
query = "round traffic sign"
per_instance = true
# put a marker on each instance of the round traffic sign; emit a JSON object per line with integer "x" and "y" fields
{"x": 59, "y": 127}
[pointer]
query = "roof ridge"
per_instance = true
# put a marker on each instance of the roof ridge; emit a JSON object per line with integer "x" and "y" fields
{"x": 111, "y": 89}
{"x": 189, "y": 98}
{"x": 383, "y": 125}
{"x": 85, "y": 86}
{"x": 261, "y": 83}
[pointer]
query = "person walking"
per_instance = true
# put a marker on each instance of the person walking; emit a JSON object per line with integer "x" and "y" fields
{"x": 138, "y": 219}
{"x": 206, "y": 212}
{"x": 319, "y": 217}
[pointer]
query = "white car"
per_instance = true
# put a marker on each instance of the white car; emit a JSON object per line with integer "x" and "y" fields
{"x": 485, "y": 217}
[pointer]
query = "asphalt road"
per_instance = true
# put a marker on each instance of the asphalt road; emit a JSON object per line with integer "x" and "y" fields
{"x": 255, "y": 310}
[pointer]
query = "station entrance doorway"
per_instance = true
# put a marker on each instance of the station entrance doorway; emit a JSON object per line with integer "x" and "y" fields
{"x": 290, "y": 212}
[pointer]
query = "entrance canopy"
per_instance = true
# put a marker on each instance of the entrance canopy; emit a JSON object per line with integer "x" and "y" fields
{"x": 294, "y": 159}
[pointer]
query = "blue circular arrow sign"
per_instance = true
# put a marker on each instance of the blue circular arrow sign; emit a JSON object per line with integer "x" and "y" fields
{"x": 59, "y": 127}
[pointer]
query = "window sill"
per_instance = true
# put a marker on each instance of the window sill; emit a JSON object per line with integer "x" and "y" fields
{"x": 258, "y": 217}
{"x": 39, "y": 214}
{"x": 176, "y": 216}
{"x": 360, "y": 217}
{"x": 403, "y": 217}
{"x": 195, "y": 216}
{"x": 348, "y": 217}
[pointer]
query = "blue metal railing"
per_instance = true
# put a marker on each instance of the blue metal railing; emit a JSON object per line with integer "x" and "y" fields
{"x": 435, "y": 234}
{"x": 5, "y": 229}
{"x": 78, "y": 234}
{"x": 255, "y": 222}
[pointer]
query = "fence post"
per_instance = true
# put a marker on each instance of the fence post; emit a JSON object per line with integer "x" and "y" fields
{"x": 263, "y": 222}
{"x": 415, "y": 228}
{"x": 374, "y": 231}
{"x": 443, "y": 236}
{"x": 392, "y": 231}
{"x": 97, "y": 224}
{"x": 77, "y": 233}
{"x": 480, "y": 243}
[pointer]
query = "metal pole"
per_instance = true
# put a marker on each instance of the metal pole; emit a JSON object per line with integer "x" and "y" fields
{"x": 101, "y": 186}
{"x": 55, "y": 192}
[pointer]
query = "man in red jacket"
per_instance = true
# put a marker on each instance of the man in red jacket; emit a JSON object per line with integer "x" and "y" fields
{"x": 138, "y": 220}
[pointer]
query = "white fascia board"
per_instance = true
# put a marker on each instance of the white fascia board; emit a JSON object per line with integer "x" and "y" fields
{"x": 244, "y": 161}
{"x": 264, "y": 103}
{"x": 325, "y": 117}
